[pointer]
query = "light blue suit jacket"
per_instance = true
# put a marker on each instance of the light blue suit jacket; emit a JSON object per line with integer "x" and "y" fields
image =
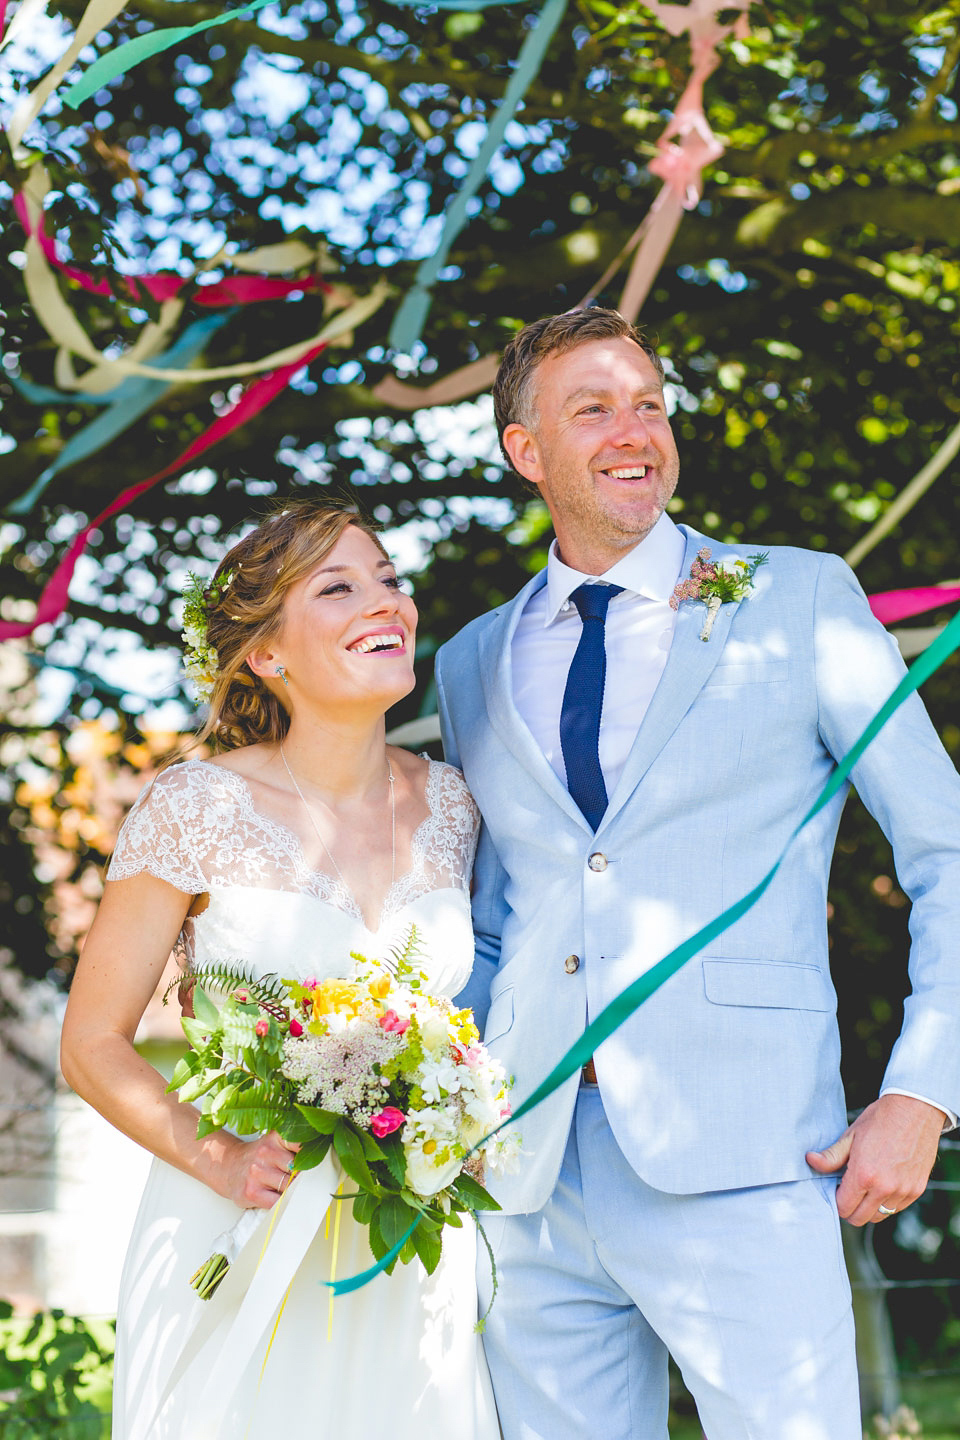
{"x": 730, "y": 1072}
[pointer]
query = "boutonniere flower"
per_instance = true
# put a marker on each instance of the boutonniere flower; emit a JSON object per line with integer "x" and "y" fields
{"x": 716, "y": 584}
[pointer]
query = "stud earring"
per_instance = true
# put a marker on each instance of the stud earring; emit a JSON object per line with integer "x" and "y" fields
{"x": 283, "y": 675}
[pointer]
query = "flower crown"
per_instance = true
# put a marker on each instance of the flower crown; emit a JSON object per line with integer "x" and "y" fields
{"x": 201, "y": 662}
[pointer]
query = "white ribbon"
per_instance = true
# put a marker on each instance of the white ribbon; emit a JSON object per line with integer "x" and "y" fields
{"x": 262, "y": 1281}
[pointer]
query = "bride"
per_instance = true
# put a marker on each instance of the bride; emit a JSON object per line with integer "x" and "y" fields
{"x": 304, "y": 838}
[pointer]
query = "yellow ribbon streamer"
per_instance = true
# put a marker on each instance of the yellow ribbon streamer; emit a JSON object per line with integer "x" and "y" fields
{"x": 336, "y": 1206}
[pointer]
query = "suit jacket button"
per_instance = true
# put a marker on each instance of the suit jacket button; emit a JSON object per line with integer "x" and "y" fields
{"x": 572, "y": 964}
{"x": 597, "y": 861}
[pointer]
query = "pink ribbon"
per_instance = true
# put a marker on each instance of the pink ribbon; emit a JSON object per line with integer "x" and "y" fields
{"x": 893, "y": 605}
{"x": 54, "y": 599}
{"x": 233, "y": 290}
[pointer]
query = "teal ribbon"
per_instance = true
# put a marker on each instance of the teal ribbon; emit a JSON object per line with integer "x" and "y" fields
{"x": 630, "y": 999}
{"x": 133, "y": 52}
{"x": 128, "y": 402}
{"x": 125, "y": 57}
{"x": 410, "y": 317}
{"x": 412, "y": 313}
{"x": 356, "y": 1282}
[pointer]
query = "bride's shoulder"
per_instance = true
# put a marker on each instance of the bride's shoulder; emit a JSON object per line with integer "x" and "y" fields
{"x": 452, "y": 794}
{"x": 179, "y": 786}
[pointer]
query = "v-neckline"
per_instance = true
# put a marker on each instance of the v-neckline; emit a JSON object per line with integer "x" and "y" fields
{"x": 337, "y": 882}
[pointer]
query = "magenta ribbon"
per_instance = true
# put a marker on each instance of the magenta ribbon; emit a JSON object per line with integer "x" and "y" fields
{"x": 892, "y": 605}
{"x": 54, "y": 599}
{"x": 232, "y": 290}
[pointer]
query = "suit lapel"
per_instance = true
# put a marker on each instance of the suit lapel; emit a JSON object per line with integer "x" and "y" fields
{"x": 496, "y": 673}
{"x": 687, "y": 670}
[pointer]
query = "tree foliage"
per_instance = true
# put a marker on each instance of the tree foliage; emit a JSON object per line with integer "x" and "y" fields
{"x": 808, "y": 310}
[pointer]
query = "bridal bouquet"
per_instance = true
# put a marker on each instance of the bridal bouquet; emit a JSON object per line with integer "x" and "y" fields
{"x": 393, "y": 1078}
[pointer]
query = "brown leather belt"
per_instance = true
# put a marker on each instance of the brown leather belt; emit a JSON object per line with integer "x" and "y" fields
{"x": 589, "y": 1073}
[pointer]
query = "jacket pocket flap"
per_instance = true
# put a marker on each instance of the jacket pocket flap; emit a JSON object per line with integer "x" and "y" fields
{"x": 749, "y": 673}
{"x": 500, "y": 1015}
{"x": 766, "y": 984}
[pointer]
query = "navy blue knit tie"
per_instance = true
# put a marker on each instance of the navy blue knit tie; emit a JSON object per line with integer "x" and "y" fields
{"x": 583, "y": 703}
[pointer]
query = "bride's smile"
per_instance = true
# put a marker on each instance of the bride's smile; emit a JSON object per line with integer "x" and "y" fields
{"x": 348, "y": 631}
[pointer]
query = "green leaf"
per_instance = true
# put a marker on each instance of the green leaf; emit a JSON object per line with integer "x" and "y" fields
{"x": 395, "y": 1219}
{"x": 350, "y": 1151}
{"x": 297, "y": 1129}
{"x": 310, "y": 1155}
{"x": 320, "y": 1120}
{"x": 199, "y": 1085}
{"x": 473, "y": 1194}
{"x": 186, "y": 1066}
{"x": 204, "y": 1009}
{"x": 428, "y": 1245}
{"x": 364, "y": 1205}
{"x": 395, "y": 1159}
{"x": 197, "y": 1033}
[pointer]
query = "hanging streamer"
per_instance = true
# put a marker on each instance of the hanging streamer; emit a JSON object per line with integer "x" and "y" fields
{"x": 60, "y": 322}
{"x": 131, "y": 401}
{"x": 892, "y": 605}
{"x": 54, "y": 598}
{"x": 634, "y": 995}
{"x": 131, "y": 53}
{"x": 459, "y": 385}
{"x": 907, "y": 498}
{"x": 409, "y": 319}
{"x": 124, "y": 57}
{"x": 679, "y": 163}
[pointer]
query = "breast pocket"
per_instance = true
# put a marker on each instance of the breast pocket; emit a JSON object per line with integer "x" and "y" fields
{"x": 757, "y": 672}
{"x": 500, "y": 1015}
{"x": 766, "y": 984}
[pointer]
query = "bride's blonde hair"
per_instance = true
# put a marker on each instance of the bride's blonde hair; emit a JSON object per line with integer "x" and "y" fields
{"x": 245, "y": 613}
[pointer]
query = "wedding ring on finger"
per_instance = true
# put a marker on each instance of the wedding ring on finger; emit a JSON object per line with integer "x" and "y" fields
{"x": 884, "y": 1210}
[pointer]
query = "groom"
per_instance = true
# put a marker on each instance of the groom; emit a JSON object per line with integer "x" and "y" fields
{"x": 635, "y": 779}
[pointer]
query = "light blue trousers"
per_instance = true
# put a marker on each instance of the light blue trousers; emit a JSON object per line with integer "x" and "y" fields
{"x": 747, "y": 1290}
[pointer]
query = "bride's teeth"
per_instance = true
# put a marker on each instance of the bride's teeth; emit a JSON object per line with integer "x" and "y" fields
{"x": 377, "y": 642}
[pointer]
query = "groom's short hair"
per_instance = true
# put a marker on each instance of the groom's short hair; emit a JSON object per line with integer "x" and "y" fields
{"x": 552, "y": 335}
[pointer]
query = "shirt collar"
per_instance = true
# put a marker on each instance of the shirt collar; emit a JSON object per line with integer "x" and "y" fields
{"x": 650, "y": 569}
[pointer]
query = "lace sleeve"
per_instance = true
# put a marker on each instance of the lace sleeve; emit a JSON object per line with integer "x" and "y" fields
{"x": 157, "y": 835}
{"x": 453, "y": 839}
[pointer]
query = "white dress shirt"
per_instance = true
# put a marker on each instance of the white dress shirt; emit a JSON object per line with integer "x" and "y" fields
{"x": 639, "y": 633}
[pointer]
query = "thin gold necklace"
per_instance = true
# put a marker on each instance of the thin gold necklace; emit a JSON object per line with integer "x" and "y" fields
{"x": 329, "y": 853}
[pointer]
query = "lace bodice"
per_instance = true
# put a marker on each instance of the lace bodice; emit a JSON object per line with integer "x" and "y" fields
{"x": 197, "y": 828}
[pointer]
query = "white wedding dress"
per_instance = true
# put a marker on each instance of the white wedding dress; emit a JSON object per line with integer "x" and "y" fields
{"x": 269, "y": 1357}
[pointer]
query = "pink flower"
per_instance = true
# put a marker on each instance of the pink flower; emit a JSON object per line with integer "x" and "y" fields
{"x": 261, "y": 1027}
{"x": 296, "y": 1028}
{"x": 387, "y": 1120}
{"x": 394, "y": 1025}
{"x": 469, "y": 1055}
{"x": 310, "y": 984}
{"x": 243, "y": 996}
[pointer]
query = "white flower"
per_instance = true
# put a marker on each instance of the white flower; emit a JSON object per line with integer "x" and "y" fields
{"x": 503, "y": 1154}
{"x": 438, "y": 1074}
{"x": 425, "y": 1176}
{"x": 434, "y": 1033}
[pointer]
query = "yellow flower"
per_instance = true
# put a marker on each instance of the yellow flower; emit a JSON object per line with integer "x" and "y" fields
{"x": 338, "y": 997}
{"x": 380, "y": 987}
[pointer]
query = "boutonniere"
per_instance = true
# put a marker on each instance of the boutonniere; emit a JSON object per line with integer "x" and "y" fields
{"x": 716, "y": 584}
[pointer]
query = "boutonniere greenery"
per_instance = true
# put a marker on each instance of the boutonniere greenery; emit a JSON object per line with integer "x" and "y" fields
{"x": 716, "y": 584}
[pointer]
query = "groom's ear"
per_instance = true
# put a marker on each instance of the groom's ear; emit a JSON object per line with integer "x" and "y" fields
{"x": 524, "y": 451}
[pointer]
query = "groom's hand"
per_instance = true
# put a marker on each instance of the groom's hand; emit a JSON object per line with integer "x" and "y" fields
{"x": 888, "y": 1152}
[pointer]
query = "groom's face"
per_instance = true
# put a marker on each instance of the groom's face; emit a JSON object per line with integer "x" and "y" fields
{"x": 599, "y": 448}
